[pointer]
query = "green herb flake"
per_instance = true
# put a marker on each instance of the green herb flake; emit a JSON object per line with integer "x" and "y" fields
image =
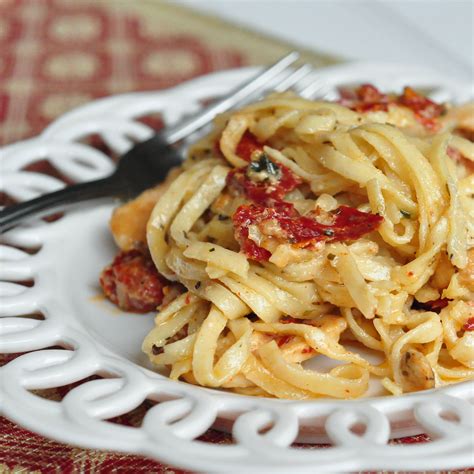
{"x": 405, "y": 214}
{"x": 212, "y": 250}
{"x": 264, "y": 164}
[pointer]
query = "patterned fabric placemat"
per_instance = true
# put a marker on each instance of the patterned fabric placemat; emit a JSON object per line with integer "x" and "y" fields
{"x": 58, "y": 54}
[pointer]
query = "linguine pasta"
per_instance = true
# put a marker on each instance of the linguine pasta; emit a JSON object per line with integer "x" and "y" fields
{"x": 300, "y": 229}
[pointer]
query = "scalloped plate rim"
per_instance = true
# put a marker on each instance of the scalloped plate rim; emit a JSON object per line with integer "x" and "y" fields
{"x": 179, "y": 89}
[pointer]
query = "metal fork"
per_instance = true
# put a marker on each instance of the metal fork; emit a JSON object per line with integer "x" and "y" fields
{"x": 149, "y": 162}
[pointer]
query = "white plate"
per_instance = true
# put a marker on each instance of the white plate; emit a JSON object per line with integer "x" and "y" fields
{"x": 101, "y": 340}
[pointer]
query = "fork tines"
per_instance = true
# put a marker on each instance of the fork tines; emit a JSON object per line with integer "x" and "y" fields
{"x": 278, "y": 77}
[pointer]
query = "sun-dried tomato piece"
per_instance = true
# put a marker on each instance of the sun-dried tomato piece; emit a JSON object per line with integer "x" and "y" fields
{"x": 266, "y": 183}
{"x": 283, "y": 339}
{"x": 247, "y": 146}
{"x": 469, "y": 325}
{"x": 242, "y": 219}
{"x": 367, "y": 98}
{"x": 263, "y": 181}
{"x": 291, "y": 320}
{"x": 132, "y": 282}
{"x": 302, "y": 231}
{"x": 434, "y": 305}
{"x": 426, "y": 111}
{"x": 349, "y": 224}
{"x": 369, "y": 93}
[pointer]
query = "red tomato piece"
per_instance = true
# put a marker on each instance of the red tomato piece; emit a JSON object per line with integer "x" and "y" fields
{"x": 303, "y": 231}
{"x": 262, "y": 192}
{"x": 426, "y": 111}
{"x": 369, "y": 93}
{"x": 291, "y": 320}
{"x": 283, "y": 339}
{"x": 434, "y": 305}
{"x": 469, "y": 325}
{"x": 349, "y": 224}
{"x": 242, "y": 219}
{"x": 132, "y": 282}
{"x": 367, "y": 98}
{"x": 247, "y": 146}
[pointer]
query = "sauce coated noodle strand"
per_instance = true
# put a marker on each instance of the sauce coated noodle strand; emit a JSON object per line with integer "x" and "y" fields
{"x": 298, "y": 229}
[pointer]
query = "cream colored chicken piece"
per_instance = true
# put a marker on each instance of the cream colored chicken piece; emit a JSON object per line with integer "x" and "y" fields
{"x": 416, "y": 372}
{"x": 128, "y": 222}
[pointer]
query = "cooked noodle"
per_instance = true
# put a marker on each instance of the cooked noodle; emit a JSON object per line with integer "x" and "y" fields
{"x": 388, "y": 262}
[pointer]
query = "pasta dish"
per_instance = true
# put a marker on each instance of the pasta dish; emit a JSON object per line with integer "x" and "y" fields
{"x": 299, "y": 229}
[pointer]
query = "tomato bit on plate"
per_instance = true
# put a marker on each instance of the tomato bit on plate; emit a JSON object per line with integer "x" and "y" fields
{"x": 132, "y": 282}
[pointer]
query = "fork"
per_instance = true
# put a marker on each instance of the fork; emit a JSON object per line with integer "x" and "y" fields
{"x": 148, "y": 163}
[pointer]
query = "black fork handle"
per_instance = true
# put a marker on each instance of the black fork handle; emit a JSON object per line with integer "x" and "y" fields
{"x": 155, "y": 158}
{"x": 53, "y": 202}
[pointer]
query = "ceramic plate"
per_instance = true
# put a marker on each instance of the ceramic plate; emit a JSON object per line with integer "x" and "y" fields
{"x": 67, "y": 332}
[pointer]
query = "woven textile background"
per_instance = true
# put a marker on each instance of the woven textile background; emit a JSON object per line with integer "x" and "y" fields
{"x": 58, "y": 54}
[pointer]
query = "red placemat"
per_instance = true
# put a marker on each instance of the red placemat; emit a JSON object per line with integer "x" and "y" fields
{"x": 58, "y": 54}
